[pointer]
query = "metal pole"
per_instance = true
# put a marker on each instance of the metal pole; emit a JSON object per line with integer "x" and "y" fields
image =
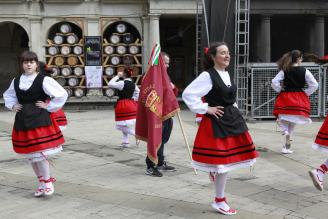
{"x": 206, "y": 24}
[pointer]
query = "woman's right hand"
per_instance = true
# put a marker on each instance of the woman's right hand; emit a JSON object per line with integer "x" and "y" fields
{"x": 216, "y": 111}
{"x": 17, "y": 107}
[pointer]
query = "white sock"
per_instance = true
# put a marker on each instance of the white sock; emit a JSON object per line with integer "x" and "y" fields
{"x": 36, "y": 169}
{"x": 128, "y": 130}
{"x": 44, "y": 169}
{"x": 284, "y": 126}
{"x": 220, "y": 182}
{"x": 291, "y": 127}
{"x": 125, "y": 137}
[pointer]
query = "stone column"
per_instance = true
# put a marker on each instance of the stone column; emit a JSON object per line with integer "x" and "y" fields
{"x": 36, "y": 41}
{"x": 93, "y": 27}
{"x": 153, "y": 30}
{"x": 265, "y": 39}
{"x": 319, "y": 36}
{"x": 146, "y": 50}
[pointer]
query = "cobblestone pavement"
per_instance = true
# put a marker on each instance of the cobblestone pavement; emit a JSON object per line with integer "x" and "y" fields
{"x": 96, "y": 179}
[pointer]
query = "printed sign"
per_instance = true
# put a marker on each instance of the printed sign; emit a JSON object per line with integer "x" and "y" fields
{"x": 93, "y": 75}
{"x": 92, "y": 50}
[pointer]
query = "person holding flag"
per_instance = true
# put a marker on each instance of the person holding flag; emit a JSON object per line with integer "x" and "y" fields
{"x": 157, "y": 104}
{"x": 222, "y": 142}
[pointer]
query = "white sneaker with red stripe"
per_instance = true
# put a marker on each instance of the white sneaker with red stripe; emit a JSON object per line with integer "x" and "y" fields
{"x": 221, "y": 206}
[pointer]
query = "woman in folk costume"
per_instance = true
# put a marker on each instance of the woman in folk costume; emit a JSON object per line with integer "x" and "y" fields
{"x": 36, "y": 134}
{"x": 292, "y": 105}
{"x": 222, "y": 142}
{"x": 126, "y": 107}
{"x": 59, "y": 115}
{"x": 321, "y": 141}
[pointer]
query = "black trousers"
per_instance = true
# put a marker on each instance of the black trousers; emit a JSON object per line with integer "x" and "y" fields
{"x": 166, "y": 133}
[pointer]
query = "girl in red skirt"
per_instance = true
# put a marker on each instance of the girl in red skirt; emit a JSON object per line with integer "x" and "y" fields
{"x": 292, "y": 105}
{"x": 36, "y": 134}
{"x": 321, "y": 141}
{"x": 59, "y": 115}
{"x": 126, "y": 107}
{"x": 222, "y": 142}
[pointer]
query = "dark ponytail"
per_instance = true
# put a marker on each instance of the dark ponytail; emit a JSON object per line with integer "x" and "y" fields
{"x": 210, "y": 53}
{"x": 288, "y": 59}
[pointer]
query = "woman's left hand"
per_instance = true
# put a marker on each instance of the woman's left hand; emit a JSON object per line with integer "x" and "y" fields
{"x": 42, "y": 104}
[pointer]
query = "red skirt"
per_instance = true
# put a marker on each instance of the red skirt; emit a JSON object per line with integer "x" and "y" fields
{"x": 125, "y": 109}
{"x": 322, "y": 136}
{"x": 60, "y": 117}
{"x": 292, "y": 103}
{"x": 232, "y": 149}
{"x": 38, "y": 139}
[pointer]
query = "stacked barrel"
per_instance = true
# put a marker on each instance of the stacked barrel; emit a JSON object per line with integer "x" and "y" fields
{"x": 121, "y": 48}
{"x": 64, "y": 53}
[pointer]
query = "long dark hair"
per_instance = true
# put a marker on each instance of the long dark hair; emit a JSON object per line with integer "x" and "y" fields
{"x": 210, "y": 53}
{"x": 314, "y": 58}
{"x": 288, "y": 59}
{"x": 27, "y": 56}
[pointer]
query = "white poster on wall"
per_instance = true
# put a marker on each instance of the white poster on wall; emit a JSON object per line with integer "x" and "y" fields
{"x": 93, "y": 75}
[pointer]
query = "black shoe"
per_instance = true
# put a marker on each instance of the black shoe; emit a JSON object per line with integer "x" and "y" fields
{"x": 166, "y": 168}
{"x": 152, "y": 171}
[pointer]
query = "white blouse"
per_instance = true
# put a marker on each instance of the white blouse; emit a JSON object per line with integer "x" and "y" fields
{"x": 119, "y": 85}
{"x": 51, "y": 87}
{"x": 309, "y": 79}
{"x": 200, "y": 87}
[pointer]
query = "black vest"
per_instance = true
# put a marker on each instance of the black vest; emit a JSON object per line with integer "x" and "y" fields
{"x": 231, "y": 123}
{"x": 294, "y": 79}
{"x": 31, "y": 116}
{"x": 127, "y": 92}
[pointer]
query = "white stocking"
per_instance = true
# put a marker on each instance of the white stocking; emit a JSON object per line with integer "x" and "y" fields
{"x": 220, "y": 182}
{"x": 44, "y": 169}
{"x": 36, "y": 169}
{"x": 128, "y": 130}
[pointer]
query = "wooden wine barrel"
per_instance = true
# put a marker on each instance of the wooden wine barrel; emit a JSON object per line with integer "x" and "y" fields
{"x": 115, "y": 60}
{"x": 53, "y": 50}
{"x": 58, "y": 39}
{"x": 73, "y": 82}
{"x": 55, "y": 72}
{"x": 78, "y": 71}
{"x": 66, "y": 71}
{"x": 69, "y": 92}
{"x": 72, "y": 39}
{"x": 59, "y": 60}
{"x": 121, "y": 50}
{"x": 121, "y": 28}
{"x": 109, "y": 92}
{"x": 65, "y": 28}
{"x": 128, "y": 38}
{"x": 77, "y": 50}
{"x": 65, "y": 50}
{"x": 109, "y": 71}
{"x": 114, "y": 39}
{"x": 72, "y": 60}
{"x": 61, "y": 81}
{"x": 133, "y": 49}
{"x": 79, "y": 92}
{"x": 109, "y": 50}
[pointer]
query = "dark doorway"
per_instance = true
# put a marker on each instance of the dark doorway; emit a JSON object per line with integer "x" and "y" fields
{"x": 13, "y": 41}
{"x": 178, "y": 39}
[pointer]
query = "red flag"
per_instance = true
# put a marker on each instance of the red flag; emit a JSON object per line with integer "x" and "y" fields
{"x": 157, "y": 103}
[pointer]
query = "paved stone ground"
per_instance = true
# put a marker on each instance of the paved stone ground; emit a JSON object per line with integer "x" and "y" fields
{"x": 96, "y": 179}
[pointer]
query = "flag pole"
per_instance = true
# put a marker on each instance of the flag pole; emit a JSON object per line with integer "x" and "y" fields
{"x": 185, "y": 138}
